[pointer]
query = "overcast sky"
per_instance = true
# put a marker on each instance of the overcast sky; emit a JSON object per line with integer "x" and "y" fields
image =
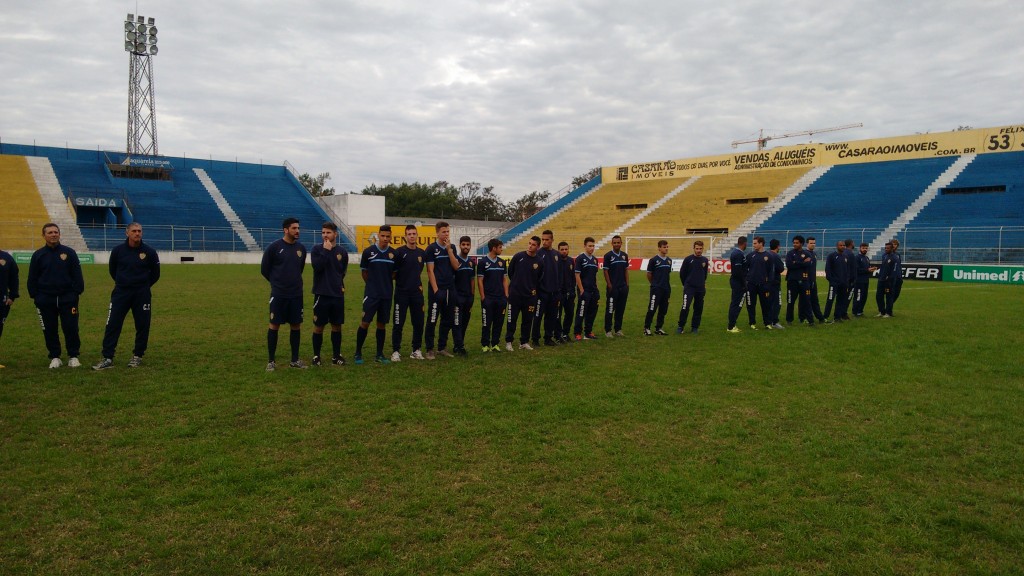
{"x": 516, "y": 94}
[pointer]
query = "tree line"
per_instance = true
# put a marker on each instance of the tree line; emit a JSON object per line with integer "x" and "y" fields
{"x": 470, "y": 201}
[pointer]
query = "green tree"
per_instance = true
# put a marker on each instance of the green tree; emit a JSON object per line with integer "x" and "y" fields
{"x": 479, "y": 203}
{"x": 585, "y": 177}
{"x": 316, "y": 185}
{"x": 526, "y": 206}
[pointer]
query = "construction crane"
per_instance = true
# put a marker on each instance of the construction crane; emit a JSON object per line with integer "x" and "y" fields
{"x": 762, "y": 138}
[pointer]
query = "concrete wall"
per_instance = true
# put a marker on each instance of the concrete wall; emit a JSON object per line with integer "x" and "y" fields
{"x": 357, "y": 209}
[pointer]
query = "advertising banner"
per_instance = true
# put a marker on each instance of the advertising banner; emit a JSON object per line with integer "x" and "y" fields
{"x": 367, "y": 235}
{"x": 984, "y": 274}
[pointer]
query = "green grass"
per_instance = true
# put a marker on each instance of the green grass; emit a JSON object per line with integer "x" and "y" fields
{"x": 873, "y": 447}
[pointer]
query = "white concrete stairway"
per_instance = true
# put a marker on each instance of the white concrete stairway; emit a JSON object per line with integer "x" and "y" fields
{"x": 646, "y": 212}
{"x": 877, "y": 246}
{"x": 56, "y": 203}
{"x": 229, "y": 213}
{"x": 773, "y": 207}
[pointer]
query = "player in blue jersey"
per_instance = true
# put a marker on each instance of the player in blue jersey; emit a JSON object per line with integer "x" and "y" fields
{"x": 737, "y": 281}
{"x": 465, "y": 276}
{"x": 8, "y": 287}
{"x": 55, "y": 284}
{"x": 377, "y": 265}
{"x": 776, "y": 285}
{"x": 694, "y": 275}
{"x": 815, "y": 303}
{"x": 492, "y": 280}
{"x": 886, "y": 277}
{"x": 524, "y": 273}
{"x": 548, "y": 292}
{"x": 567, "y": 307}
{"x": 409, "y": 261}
{"x": 135, "y": 268}
{"x": 800, "y": 269}
{"x": 616, "y": 279}
{"x": 837, "y": 273}
{"x": 441, "y": 263}
{"x": 586, "y": 287}
{"x": 330, "y": 264}
{"x": 760, "y": 273}
{"x": 860, "y": 287}
{"x": 282, "y": 266}
{"x": 659, "y": 272}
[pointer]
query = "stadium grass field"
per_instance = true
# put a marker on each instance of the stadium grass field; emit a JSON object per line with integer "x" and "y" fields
{"x": 880, "y": 446}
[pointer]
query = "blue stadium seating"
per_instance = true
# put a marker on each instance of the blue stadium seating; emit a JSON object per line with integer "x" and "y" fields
{"x": 545, "y": 212}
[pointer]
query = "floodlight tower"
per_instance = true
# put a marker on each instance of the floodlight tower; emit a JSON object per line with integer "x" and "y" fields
{"x": 140, "y": 44}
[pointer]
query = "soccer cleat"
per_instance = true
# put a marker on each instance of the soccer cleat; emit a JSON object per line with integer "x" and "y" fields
{"x": 2, "y": 366}
{"x": 73, "y": 363}
{"x": 525, "y": 346}
{"x": 461, "y": 352}
{"x": 883, "y": 316}
{"x": 358, "y": 359}
{"x": 590, "y": 336}
{"x": 396, "y": 357}
{"x": 769, "y": 327}
{"x": 550, "y": 343}
{"x": 485, "y": 349}
{"x": 271, "y": 366}
{"x": 444, "y": 352}
{"x": 103, "y": 364}
{"x": 430, "y": 355}
{"x": 135, "y": 362}
{"x": 694, "y": 331}
{"x": 679, "y": 329}
{"x": 778, "y": 326}
{"x": 753, "y": 326}
{"x": 380, "y": 359}
{"x": 619, "y": 333}
{"x": 609, "y": 335}
{"x": 579, "y": 337}
{"x": 56, "y": 363}
{"x": 827, "y": 321}
{"x": 416, "y": 355}
{"x": 298, "y": 364}
{"x": 733, "y": 330}
{"x": 647, "y": 331}
{"x": 338, "y": 360}
{"x": 496, "y": 348}
{"x": 316, "y": 361}
{"x": 508, "y": 346}
{"x": 661, "y": 332}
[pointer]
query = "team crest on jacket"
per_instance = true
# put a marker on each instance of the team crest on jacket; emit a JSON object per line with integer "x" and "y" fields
{"x": 3, "y": 262}
{"x": 419, "y": 259}
{"x": 298, "y": 253}
{"x": 535, "y": 266}
{"x": 338, "y": 256}
{"x": 63, "y": 256}
{"x": 391, "y": 255}
{"x": 142, "y": 255}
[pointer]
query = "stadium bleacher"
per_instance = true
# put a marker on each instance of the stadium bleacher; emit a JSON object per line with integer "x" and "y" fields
{"x": 24, "y": 212}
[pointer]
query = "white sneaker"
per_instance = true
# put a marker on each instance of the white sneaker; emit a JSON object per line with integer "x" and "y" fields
{"x": 525, "y": 346}
{"x": 396, "y": 357}
{"x": 508, "y": 346}
{"x": 416, "y": 355}
{"x": 56, "y": 363}
{"x": 620, "y": 333}
{"x": 74, "y": 363}
{"x": 609, "y": 335}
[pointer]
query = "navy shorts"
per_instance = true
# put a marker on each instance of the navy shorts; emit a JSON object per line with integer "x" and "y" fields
{"x": 376, "y": 307}
{"x": 328, "y": 309}
{"x": 285, "y": 310}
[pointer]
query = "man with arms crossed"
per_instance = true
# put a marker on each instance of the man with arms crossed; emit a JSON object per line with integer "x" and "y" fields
{"x": 524, "y": 273}
{"x": 492, "y": 280}
{"x": 282, "y": 266}
{"x": 616, "y": 279}
{"x": 135, "y": 268}
{"x": 378, "y": 268}
{"x": 409, "y": 261}
{"x": 330, "y": 263}
{"x": 55, "y": 283}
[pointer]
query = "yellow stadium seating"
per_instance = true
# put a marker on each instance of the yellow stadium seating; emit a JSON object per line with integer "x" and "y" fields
{"x": 23, "y": 212}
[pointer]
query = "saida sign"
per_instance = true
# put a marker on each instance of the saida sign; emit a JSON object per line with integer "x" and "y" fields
{"x": 984, "y": 274}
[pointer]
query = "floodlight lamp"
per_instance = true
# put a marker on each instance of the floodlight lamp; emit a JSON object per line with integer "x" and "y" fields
{"x": 129, "y": 26}
{"x": 140, "y": 48}
{"x": 153, "y": 50}
{"x": 130, "y": 36}
{"x": 129, "y": 45}
{"x": 141, "y": 28}
{"x": 152, "y": 30}
{"x": 152, "y": 40}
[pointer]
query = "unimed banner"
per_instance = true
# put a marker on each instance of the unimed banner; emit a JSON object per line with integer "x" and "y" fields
{"x": 983, "y": 274}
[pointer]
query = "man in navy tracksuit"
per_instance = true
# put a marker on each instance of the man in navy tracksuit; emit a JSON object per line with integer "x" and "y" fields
{"x": 463, "y": 283}
{"x": 760, "y": 269}
{"x": 737, "y": 281}
{"x": 815, "y": 304}
{"x": 886, "y": 273}
{"x": 567, "y": 308}
{"x": 492, "y": 280}
{"x": 589, "y": 295}
{"x": 694, "y": 275}
{"x": 659, "y": 271}
{"x": 524, "y": 275}
{"x": 801, "y": 268}
{"x": 837, "y": 273}
{"x": 548, "y": 295}
{"x": 440, "y": 261}
{"x": 8, "y": 287}
{"x": 409, "y": 262}
{"x": 776, "y": 285}
{"x": 897, "y": 280}
{"x": 55, "y": 282}
{"x": 282, "y": 266}
{"x": 330, "y": 264}
{"x": 860, "y": 286}
{"x": 135, "y": 268}
{"x": 616, "y": 279}
{"x": 851, "y": 260}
